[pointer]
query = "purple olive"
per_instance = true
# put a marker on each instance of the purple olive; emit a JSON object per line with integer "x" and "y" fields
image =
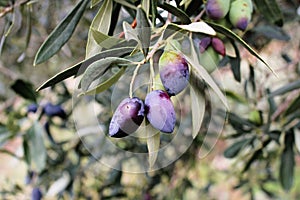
{"x": 204, "y": 44}
{"x": 127, "y": 118}
{"x": 218, "y": 46}
{"x": 160, "y": 111}
{"x": 32, "y": 108}
{"x": 36, "y": 194}
{"x": 54, "y": 110}
{"x": 174, "y": 72}
{"x": 217, "y": 9}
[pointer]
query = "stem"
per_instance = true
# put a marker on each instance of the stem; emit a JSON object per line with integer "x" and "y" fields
{"x": 11, "y": 8}
{"x": 133, "y": 78}
{"x": 198, "y": 17}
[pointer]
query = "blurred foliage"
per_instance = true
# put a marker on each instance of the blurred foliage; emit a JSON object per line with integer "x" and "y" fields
{"x": 262, "y": 142}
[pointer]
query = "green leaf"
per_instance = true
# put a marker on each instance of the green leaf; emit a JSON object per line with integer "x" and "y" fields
{"x": 146, "y": 7}
{"x": 80, "y": 67}
{"x": 235, "y": 63}
{"x": 236, "y": 97}
{"x": 198, "y": 27}
{"x": 95, "y": 2}
{"x": 233, "y": 150}
{"x": 24, "y": 89}
{"x": 61, "y": 34}
{"x": 36, "y": 146}
{"x": 143, "y": 30}
{"x": 184, "y": 18}
{"x": 201, "y": 73}
{"x": 198, "y": 110}
{"x": 271, "y": 11}
{"x": 125, "y": 3}
{"x": 5, "y": 135}
{"x": 286, "y": 88}
{"x": 104, "y": 40}
{"x": 97, "y": 69}
{"x": 154, "y": 11}
{"x": 297, "y": 138}
{"x": 153, "y": 141}
{"x": 106, "y": 84}
{"x": 272, "y": 32}
{"x": 235, "y": 37}
{"x": 101, "y": 22}
{"x": 130, "y": 33}
{"x": 287, "y": 164}
{"x": 294, "y": 106}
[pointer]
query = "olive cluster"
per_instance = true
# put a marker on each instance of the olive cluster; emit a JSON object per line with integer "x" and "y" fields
{"x": 158, "y": 107}
{"x": 239, "y": 11}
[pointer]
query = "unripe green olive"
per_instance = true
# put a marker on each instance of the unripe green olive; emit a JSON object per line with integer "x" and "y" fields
{"x": 209, "y": 59}
{"x": 240, "y": 13}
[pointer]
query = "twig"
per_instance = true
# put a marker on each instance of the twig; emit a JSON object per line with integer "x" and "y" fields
{"x": 284, "y": 106}
{"x": 11, "y": 8}
{"x": 198, "y": 17}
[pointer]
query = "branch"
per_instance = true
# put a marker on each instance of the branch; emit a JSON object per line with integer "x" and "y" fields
{"x": 12, "y": 7}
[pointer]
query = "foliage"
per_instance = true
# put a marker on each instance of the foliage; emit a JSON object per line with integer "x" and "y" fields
{"x": 124, "y": 40}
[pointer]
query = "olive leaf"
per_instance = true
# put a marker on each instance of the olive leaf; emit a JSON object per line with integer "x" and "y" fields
{"x": 271, "y": 11}
{"x": 175, "y": 11}
{"x": 106, "y": 84}
{"x": 97, "y": 69}
{"x": 287, "y": 164}
{"x": 286, "y": 88}
{"x": 143, "y": 30}
{"x": 198, "y": 110}
{"x": 80, "y": 67}
{"x": 153, "y": 141}
{"x": 61, "y": 34}
{"x": 24, "y": 89}
{"x": 104, "y": 40}
{"x": 101, "y": 22}
{"x": 36, "y": 147}
{"x": 95, "y": 2}
{"x": 236, "y": 147}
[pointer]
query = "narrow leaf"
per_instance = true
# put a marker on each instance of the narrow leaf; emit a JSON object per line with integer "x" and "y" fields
{"x": 125, "y": 3}
{"x": 146, "y": 7}
{"x": 235, "y": 63}
{"x": 104, "y": 40}
{"x": 287, "y": 164}
{"x": 95, "y": 2}
{"x": 153, "y": 141}
{"x": 97, "y": 69}
{"x": 297, "y": 138}
{"x": 235, "y": 37}
{"x": 286, "y": 88}
{"x": 101, "y": 22}
{"x": 106, "y": 84}
{"x": 272, "y": 32}
{"x": 176, "y": 11}
{"x": 80, "y": 67}
{"x": 143, "y": 30}
{"x": 198, "y": 110}
{"x": 36, "y": 147}
{"x": 271, "y": 11}
{"x": 236, "y": 147}
{"x": 130, "y": 33}
{"x": 293, "y": 106}
{"x": 24, "y": 89}
{"x": 154, "y": 11}
{"x": 198, "y": 27}
{"x": 61, "y": 34}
